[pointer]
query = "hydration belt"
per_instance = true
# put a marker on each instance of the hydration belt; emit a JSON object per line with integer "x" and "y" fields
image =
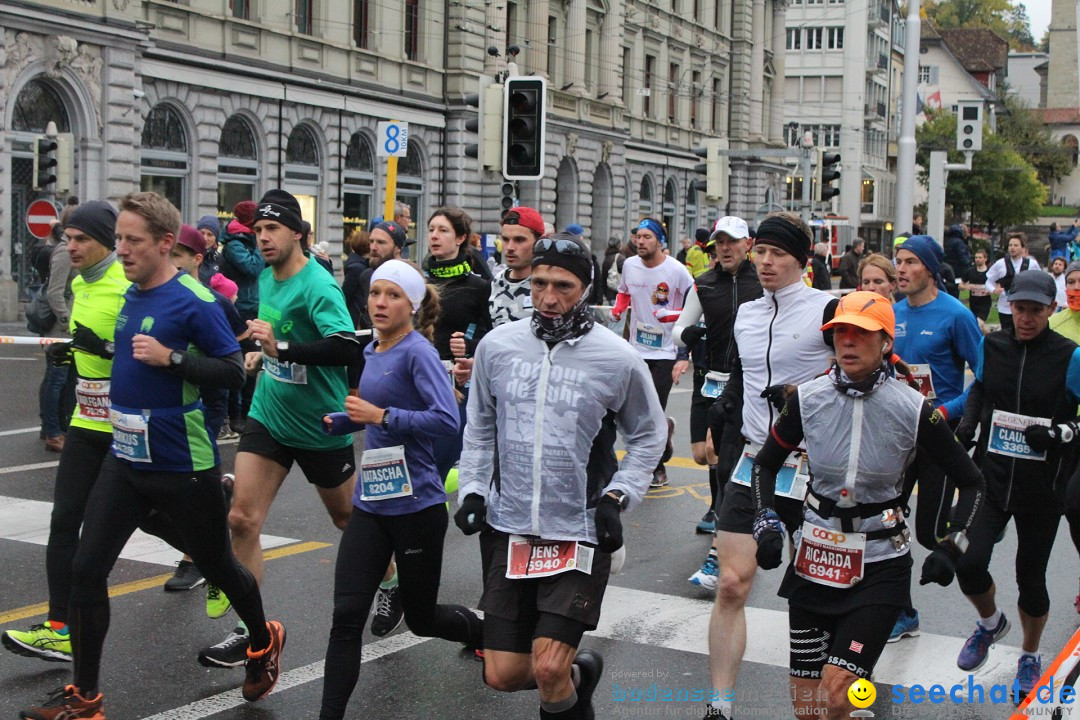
{"x": 826, "y": 508}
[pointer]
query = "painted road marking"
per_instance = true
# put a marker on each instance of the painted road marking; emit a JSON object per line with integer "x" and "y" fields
{"x": 682, "y": 624}
{"x": 28, "y": 521}
{"x": 54, "y": 463}
{"x": 154, "y": 582}
{"x": 20, "y": 431}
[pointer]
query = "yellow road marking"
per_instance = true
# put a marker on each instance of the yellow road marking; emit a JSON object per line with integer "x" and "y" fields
{"x": 156, "y": 581}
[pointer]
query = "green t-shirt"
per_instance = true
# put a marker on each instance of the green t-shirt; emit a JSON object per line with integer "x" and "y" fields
{"x": 96, "y": 306}
{"x": 291, "y": 399}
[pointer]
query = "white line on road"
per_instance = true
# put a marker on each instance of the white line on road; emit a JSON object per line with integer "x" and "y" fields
{"x": 20, "y": 431}
{"x": 27, "y": 468}
{"x": 289, "y": 679}
{"x": 682, "y": 624}
{"x": 20, "y": 359}
{"x": 28, "y": 521}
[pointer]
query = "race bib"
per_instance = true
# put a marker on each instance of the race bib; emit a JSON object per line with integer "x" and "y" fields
{"x": 131, "y": 436}
{"x": 92, "y": 396}
{"x": 830, "y": 557}
{"x": 791, "y": 481}
{"x": 544, "y": 558}
{"x": 714, "y": 384}
{"x": 648, "y": 336}
{"x": 924, "y": 379}
{"x": 1007, "y": 435}
{"x": 384, "y": 474}
{"x": 526, "y": 302}
{"x": 286, "y": 372}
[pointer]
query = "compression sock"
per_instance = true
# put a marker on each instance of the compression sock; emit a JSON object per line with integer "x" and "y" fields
{"x": 565, "y": 709}
{"x": 391, "y": 583}
{"x": 989, "y": 623}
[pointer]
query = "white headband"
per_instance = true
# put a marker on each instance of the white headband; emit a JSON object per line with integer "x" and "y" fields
{"x": 406, "y": 277}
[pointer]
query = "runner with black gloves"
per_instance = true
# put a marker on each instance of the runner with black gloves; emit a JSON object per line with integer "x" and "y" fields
{"x": 1023, "y": 402}
{"x": 852, "y": 567}
{"x": 559, "y": 380}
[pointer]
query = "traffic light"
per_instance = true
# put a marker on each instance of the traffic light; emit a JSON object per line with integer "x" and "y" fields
{"x": 488, "y": 125}
{"x": 715, "y": 169}
{"x": 44, "y": 162}
{"x": 969, "y": 125}
{"x": 65, "y": 161}
{"x": 509, "y": 196}
{"x": 524, "y": 110}
{"x": 824, "y": 174}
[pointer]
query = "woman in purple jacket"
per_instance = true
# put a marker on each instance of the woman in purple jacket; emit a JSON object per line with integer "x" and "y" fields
{"x": 405, "y": 404}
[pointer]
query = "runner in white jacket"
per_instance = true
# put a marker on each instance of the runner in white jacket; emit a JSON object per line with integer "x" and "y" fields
{"x": 548, "y": 396}
{"x": 779, "y": 343}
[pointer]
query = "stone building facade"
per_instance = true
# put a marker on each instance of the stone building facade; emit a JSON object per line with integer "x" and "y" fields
{"x": 214, "y": 101}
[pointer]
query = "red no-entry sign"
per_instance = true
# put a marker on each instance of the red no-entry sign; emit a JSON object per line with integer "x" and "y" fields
{"x": 38, "y": 217}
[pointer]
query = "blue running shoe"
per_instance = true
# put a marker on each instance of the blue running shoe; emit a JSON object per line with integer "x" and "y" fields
{"x": 977, "y": 647}
{"x": 707, "y": 526}
{"x": 707, "y": 576}
{"x": 907, "y": 625}
{"x": 1028, "y": 672}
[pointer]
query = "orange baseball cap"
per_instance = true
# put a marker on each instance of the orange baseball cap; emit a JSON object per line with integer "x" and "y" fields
{"x": 864, "y": 309}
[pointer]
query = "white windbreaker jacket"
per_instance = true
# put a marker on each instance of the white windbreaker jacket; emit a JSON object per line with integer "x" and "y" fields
{"x": 551, "y": 417}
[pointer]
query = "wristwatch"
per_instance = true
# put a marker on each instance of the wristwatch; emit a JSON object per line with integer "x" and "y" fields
{"x": 958, "y": 539}
{"x": 385, "y": 423}
{"x": 176, "y": 359}
{"x": 282, "y": 346}
{"x": 619, "y": 497}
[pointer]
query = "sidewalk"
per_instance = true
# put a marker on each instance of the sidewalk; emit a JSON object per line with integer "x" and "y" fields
{"x": 15, "y": 328}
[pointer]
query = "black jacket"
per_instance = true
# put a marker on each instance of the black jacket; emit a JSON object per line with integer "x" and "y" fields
{"x": 721, "y": 294}
{"x": 356, "y": 268}
{"x": 849, "y": 270}
{"x": 822, "y": 275}
{"x": 463, "y": 301}
{"x": 1026, "y": 378}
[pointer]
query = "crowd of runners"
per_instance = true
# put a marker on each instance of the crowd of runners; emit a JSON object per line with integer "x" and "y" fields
{"x": 818, "y": 414}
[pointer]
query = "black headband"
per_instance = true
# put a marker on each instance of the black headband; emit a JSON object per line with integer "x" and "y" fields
{"x": 781, "y": 233}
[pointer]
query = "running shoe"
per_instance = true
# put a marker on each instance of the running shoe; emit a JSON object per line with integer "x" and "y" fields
{"x": 217, "y": 604}
{"x": 186, "y": 577}
{"x": 263, "y": 667}
{"x": 41, "y": 642}
{"x": 1028, "y": 672}
{"x": 67, "y": 704}
{"x": 227, "y": 433}
{"x": 707, "y": 526}
{"x": 388, "y": 611}
{"x": 907, "y": 625}
{"x": 712, "y": 713}
{"x": 659, "y": 479}
{"x": 591, "y": 666}
{"x": 230, "y": 652}
{"x": 669, "y": 450}
{"x": 707, "y": 576}
{"x": 228, "y": 482}
{"x": 977, "y": 647}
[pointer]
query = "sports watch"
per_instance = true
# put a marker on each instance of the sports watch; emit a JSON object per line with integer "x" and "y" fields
{"x": 621, "y": 498}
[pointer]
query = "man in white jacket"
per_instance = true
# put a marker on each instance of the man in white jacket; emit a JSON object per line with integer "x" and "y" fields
{"x": 778, "y": 343}
{"x": 540, "y": 481}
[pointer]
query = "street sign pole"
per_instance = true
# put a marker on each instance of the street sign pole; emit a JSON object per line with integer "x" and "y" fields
{"x": 393, "y": 144}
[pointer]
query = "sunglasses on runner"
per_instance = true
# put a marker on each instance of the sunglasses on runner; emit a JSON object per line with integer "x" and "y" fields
{"x": 563, "y": 247}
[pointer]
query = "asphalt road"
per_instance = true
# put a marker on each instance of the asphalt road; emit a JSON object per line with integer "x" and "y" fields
{"x": 654, "y": 625}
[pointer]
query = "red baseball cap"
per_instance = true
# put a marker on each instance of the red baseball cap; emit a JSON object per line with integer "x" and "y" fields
{"x": 192, "y": 239}
{"x": 526, "y": 217}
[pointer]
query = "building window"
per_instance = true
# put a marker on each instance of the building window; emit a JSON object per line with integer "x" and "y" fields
{"x": 645, "y": 200}
{"x": 717, "y": 110}
{"x": 1072, "y": 146}
{"x": 412, "y": 29}
{"x": 590, "y": 61}
{"x": 359, "y": 184}
{"x": 668, "y": 213}
{"x": 410, "y": 190}
{"x": 240, "y": 9}
{"x": 695, "y": 98}
{"x": 836, "y": 38}
{"x": 511, "y": 22}
{"x": 814, "y": 38}
{"x": 794, "y": 38}
{"x": 305, "y": 16}
{"x": 646, "y": 91}
{"x": 924, "y": 74}
{"x": 867, "y": 196}
{"x": 830, "y": 136}
{"x": 673, "y": 93}
{"x": 238, "y": 165}
{"x": 164, "y": 162}
{"x": 553, "y": 39}
{"x": 360, "y": 23}
{"x": 37, "y": 104}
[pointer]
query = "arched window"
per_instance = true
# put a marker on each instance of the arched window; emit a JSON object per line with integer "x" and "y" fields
{"x": 38, "y": 103}
{"x": 1073, "y": 146}
{"x": 410, "y": 190}
{"x": 165, "y": 162}
{"x": 238, "y": 165}
{"x": 645, "y": 197}
{"x": 302, "y": 173}
{"x": 672, "y": 228}
{"x": 693, "y": 221}
{"x": 359, "y": 183}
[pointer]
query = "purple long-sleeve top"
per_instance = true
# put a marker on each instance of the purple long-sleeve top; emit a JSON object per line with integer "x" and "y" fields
{"x": 410, "y": 381}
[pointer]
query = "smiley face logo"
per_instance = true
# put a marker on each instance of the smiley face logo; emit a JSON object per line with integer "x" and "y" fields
{"x": 862, "y": 693}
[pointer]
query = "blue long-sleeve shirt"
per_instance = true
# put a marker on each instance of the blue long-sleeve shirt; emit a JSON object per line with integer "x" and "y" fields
{"x": 1060, "y": 240}
{"x": 410, "y": 381}
{"x": 943, "y": 334}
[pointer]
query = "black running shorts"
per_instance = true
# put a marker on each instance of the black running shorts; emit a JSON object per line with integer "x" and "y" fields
{"x": 853, "y": 641}
{"x": 737, "y": 511}
{"x": 322, "y": 468}
{"x": 561, "y": 607}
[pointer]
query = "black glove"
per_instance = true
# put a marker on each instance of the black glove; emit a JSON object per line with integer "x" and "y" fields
{"x": 692, "y": 335}
{"x": 87, "y": 340}
{"x": 608, "y": 525}
{"x": 769, "y": 534}
{"x": 965, "y": 435}
{"x": 1041, "y": 438}
{"x": 720, "y": 412}
{"x": 472, "y": 515}
{"x": 777, "y": 395}
{"x": 940, "y": 565}
{"x": 58, "y": 354}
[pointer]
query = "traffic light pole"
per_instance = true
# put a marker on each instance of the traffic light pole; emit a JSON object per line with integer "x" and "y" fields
{"x": 49, "y": 191}
{"x": 939, "y": 179}
{"x": 807, "y": 174}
